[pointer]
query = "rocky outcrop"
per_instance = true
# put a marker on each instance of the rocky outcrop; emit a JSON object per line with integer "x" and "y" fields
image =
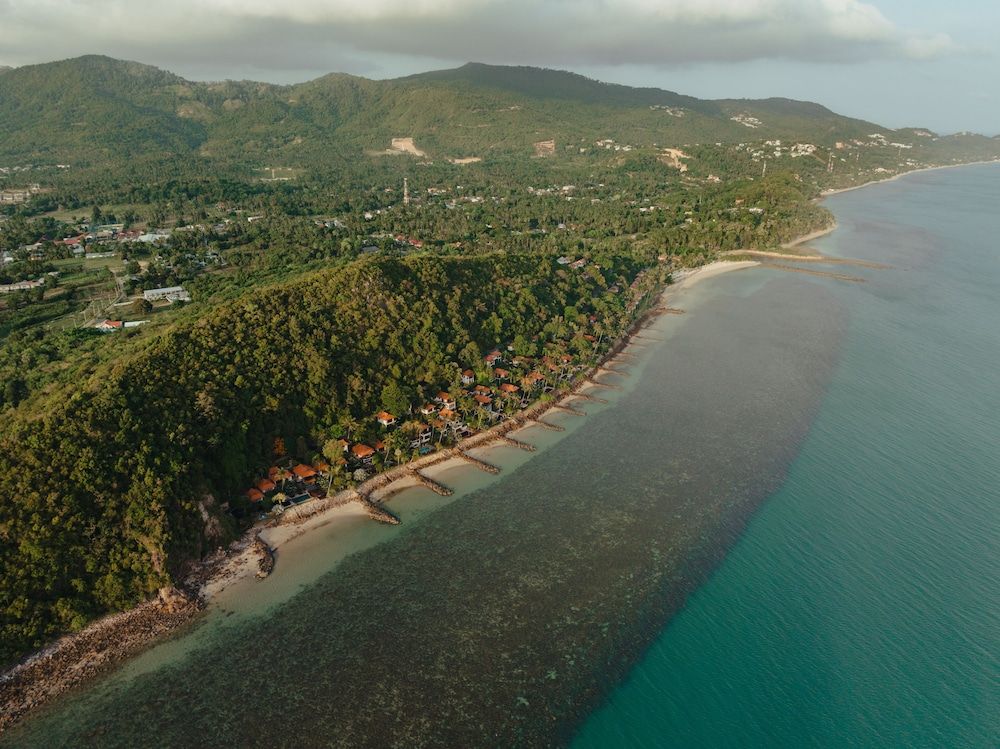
{"x": 265, "y": 561}
{"x": 79, "y": 657}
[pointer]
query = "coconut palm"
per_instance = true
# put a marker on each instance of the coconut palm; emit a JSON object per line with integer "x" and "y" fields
{"x": 350, "y": 425}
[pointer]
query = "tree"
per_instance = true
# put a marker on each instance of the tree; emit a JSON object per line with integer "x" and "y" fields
{"x": 333, "y": 450}
{"x": 15, "y": 391}
{"x": 142, "y": 306}
{"x": 394, "y": 399}
{"x": 350, "y": 425}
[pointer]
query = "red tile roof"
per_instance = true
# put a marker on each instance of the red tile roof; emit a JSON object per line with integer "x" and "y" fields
{"x": 266, "y": 485}
{"x": 303, "y": 471}
{"x": 362, "y": 451}
{"x": 254, "y": 495}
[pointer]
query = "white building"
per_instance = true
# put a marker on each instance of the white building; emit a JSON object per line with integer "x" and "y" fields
{"x": 170, "y": 293}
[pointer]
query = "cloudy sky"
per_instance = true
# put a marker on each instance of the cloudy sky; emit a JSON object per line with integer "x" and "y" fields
{"x": 898, "y": 62}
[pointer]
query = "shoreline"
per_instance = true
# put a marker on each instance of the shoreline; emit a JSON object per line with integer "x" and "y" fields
{"x": 894, "y": 177}
{"x": 809, "y": 237}
{"x": 78, "y": 658}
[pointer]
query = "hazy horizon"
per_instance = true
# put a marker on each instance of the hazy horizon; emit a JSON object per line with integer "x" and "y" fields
{"x": 888, "y": 61}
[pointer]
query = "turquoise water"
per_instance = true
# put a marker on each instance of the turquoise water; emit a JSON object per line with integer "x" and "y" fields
{"x": 862, "y": 606}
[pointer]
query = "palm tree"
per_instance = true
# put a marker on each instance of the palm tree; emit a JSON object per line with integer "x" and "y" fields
{"x": 335, "y": 469}
{"x": 349, "y": 424}
{"x": 411, "y": 427}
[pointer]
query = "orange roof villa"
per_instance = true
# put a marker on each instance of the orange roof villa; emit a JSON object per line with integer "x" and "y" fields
{"x": 362, "y": 451}
{"x": 304, "y": 472}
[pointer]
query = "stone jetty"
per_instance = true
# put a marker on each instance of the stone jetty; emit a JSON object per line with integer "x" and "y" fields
{"x": 435, "y": 486}
{"x": 480, "y": 464}
{"x": 516, "y": 443}
{"x": 549, "y": 425}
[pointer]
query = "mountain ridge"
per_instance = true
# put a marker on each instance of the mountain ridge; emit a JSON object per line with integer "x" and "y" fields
{"x": 96, "y": 109}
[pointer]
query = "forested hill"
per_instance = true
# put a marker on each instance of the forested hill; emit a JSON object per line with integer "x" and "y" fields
{"x": 96, "y": 111}
{"x": 109, "y": 486}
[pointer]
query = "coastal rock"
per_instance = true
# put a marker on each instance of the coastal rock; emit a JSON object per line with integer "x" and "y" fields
{"x": 172, "y": 600}
{"x": 265, "y": 562}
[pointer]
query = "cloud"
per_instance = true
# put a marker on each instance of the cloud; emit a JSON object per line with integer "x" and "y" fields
{"x": 323, "y": 35}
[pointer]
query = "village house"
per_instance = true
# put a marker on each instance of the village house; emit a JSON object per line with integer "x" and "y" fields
{"x": 364, "y": 453}
{"x": 385, "y": 418}
{"x": 445, "y": 400}
{"x": 304, "y": 473}
{"x": 468, "y": 377}
{"x": 423, "y": 437}
{"x": 20, "y": 286}
{"x": 169, "y": 293}
{"x": 532, "y": 380}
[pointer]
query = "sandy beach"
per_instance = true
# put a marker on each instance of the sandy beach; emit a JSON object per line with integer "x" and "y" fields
{"x": 688, "y": 277}
{"x": 810, "y": 237}
{"x": 894, "y": 177}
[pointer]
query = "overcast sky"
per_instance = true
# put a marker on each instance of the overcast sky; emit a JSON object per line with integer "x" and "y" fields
{"x": 897, "y": 62}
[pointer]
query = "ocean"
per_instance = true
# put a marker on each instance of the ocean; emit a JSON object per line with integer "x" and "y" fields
{"x": 862, "y": 606}
{"x": 782, "y": 530}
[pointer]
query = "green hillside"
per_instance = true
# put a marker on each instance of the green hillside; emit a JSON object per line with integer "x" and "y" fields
{"x": 95, "y": 112}
{"x": 114, "y": 483}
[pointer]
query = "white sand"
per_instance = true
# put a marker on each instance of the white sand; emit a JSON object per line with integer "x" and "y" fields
{"x": 685, "y": 278}
{"x": 895, "y": 177}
